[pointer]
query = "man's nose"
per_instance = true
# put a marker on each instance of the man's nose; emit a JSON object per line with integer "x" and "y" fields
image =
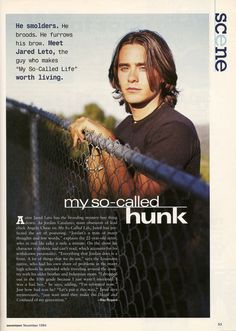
{"x": 133, "y": 76}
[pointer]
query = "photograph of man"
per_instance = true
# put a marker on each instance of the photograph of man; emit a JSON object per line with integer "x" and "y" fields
{"x": 143, "y": 74}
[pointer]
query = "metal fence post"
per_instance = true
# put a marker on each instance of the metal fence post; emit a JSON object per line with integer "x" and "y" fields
{"x": 36, "y": 197}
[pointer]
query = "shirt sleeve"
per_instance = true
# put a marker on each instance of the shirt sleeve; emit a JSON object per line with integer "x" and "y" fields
{"x": 174, "y": 143}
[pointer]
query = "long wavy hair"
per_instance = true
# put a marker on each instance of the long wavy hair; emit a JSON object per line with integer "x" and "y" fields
{"x": 159, "y": 58}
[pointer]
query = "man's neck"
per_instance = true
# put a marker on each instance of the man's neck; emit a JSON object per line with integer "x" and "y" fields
{"x": 142, "y": 112}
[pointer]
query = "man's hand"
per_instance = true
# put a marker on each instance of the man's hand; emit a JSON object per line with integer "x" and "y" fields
{"x": 83, "y": 123}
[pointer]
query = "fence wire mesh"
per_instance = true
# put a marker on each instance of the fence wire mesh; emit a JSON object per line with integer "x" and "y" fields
{"x": 149, "y": 270}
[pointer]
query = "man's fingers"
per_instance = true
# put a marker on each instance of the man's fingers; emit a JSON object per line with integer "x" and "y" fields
{"x": 81, "y": 137}
{"x": 75, "y": 139}
{"x": 77, "y": 129}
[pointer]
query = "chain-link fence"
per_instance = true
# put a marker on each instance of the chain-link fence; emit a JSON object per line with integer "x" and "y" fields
{"x": 75, "y": 255}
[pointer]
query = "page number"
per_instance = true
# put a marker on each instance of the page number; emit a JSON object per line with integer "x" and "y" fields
{"x": 220, "y": 324}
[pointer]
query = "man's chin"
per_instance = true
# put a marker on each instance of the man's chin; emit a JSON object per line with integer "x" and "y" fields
{"x": 139, "y": 104}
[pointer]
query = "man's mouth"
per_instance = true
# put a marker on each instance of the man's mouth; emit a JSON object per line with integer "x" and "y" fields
{"x": 133, "y": 89}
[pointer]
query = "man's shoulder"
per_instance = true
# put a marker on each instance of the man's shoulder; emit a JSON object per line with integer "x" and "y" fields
{"x": 124, "y": 124}
{"x": 173, "y": 118}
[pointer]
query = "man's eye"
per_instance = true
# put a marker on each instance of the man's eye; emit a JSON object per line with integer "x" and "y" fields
{"x": 142, "y": 68}
{"x": 124, "y": 68}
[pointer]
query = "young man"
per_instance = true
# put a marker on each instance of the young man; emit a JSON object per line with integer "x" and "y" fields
{"x": 144, "y": 76}
{"x": 157, "y": 263}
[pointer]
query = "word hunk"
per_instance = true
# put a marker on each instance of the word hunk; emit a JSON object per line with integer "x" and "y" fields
{"x": 156, "y": 217}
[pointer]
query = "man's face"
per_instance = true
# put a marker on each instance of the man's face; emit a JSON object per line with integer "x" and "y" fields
{"x": 132, "y": 75}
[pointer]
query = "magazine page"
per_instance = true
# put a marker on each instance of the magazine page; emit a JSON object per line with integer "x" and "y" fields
{"x": 116, "y": 167}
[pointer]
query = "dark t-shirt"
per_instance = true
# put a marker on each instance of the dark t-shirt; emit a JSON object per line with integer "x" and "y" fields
{"x": 166, "y": 135}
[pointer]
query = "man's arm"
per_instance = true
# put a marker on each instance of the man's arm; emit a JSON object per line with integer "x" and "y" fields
{"x": 106, "y": 172}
